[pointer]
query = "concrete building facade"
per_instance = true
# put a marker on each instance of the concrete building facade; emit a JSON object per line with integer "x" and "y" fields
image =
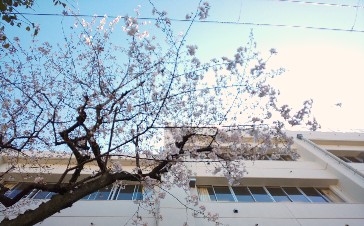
{"x": 325, "y": 186}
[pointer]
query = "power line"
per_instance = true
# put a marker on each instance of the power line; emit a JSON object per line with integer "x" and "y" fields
{"x": 320, "y": 3}
{"x": 201, "y": 21}
{"x": 280, "y": 25}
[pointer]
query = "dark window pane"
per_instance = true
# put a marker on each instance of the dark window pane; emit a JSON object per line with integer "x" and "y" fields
{"x": 138, "y": 195}
{"x": 287, "y": 158}
{"x": 103, "y": 194}
{"x": 223, "y": 194}
{"x": 206, "y": 193}
{"x": 330, "y": 195}
{"x": 242, "y": 194}
{"x": 147, "y": 193}
{"x": 92, "y": 196}
{"x": 344, "y": 159}
{"x": 313, "y": 195}
{"x": 353, "y": 159}
{"x": 295, "y": 195}
{"x": 126, "y": 192}
{"x": 50, "y": 195}
{"x": 41, "y": 195}
{"x": 211, "y": 194}
{"x": 278, "y": 194}
{"x": 260, "y": 195}
{"x": 16, "y": 190}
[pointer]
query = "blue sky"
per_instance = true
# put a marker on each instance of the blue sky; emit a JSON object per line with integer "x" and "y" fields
{"x": 325, "y": 65}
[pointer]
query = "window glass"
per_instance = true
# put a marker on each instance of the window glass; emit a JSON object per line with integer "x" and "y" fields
{"x": 286, "y": 158}
{"x": 35, "y": 194}
{"x": 344, "y": 159}
{"x": 147, "y": 193}
{"x": 330, "y": 195}
{"x": 206, "y": 193}
{"x": 242, "y": 194}
{"x": 126, "y": 192}
{"x": 278, "y": 194}
{"x": 92, "y": 196}
{"x": 43, "y": 195}
{"x": 9, "y": 185}
{"x": 50, "y": 195}
{"x": 138, "y": 194}
{"x": 361, "y": 158}
{"x": 32, "y": 193}
{"x": 313, "y": 195}
{"x": 260, "y": 195}
{"x": 353, "y": 159}
{"x": 295, "y": 195}
{"x": 103, "y": 194}
{"x": 223, "y": 193}
{"x": 16, "y": 190}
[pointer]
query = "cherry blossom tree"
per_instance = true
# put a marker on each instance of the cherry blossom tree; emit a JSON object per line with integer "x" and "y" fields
{"x": 148, "y": 98}
{"x": 9, "y": 12}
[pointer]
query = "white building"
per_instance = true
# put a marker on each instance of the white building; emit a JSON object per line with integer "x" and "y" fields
{"x": 325, "y": 186}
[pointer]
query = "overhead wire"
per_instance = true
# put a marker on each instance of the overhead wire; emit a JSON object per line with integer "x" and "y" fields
{"x": 356, "y": 16}
{"x": 319, "y": 3}
{"x": 200, "y": 21}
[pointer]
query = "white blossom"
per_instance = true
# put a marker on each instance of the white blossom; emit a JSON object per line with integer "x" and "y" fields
{"x": 116, "y": 167}
{"x": 192, "y": 49}
{"x": 39, "y": 180}
{"x": 204, "y": 10}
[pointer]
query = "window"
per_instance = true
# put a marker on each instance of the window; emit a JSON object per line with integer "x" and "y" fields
{"x": 129, "y": 192}
{"x": 243, "y": 194}
{"x": 295, "y": 195}
{"x": 278, "y": 194}
{"x": 267, "y": 194}
{"x": 206, "y": 193}
{"x": 34, "y": 194}
{"x": 215, "y": 193}
{"x": 270, "y": 156}
{"x": 350, "y": 159}
{"x": 314, "y": 195}
{"x": 223, "y": 193}
{"x": 260, "y": 194}
{"x": 112, "y": 192}
{"x": 102, "y": 194}
{"x": 330, "y": 195}
{"x": 16, "y": 190}
{"x": 124, "y": 192}
{"x": 349, "y": 156}
{"x": 117, "y": 192}
{"x": 42, "y": 194}
{"x": 278, "y": 157}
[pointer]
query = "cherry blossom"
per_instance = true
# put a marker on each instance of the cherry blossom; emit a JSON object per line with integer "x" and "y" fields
{"x": 96, "y": 102}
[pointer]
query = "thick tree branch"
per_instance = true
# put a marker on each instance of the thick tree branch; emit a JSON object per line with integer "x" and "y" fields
{"x": 60, "y": 202}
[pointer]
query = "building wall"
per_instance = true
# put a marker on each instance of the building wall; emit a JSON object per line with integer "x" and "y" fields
{"x": 316, "y": 168}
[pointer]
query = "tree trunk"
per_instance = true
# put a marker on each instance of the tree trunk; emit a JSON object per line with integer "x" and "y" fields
{"x": 59, "y": 202}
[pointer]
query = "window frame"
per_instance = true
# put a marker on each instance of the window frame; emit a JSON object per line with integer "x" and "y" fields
{"x": 247, "y": 189}
{"x": 318, "y": 192}
{"x": 139, "y": 192}
{"x": 289, "y": 198}
{"x": 231, "y": 193}
{"x": 306, "y": 197}
{"x": 264, "y": 189}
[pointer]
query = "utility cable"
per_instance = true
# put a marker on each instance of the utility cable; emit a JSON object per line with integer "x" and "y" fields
{"x": 200, "y": 21}
{"x": 319, "y": 3}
